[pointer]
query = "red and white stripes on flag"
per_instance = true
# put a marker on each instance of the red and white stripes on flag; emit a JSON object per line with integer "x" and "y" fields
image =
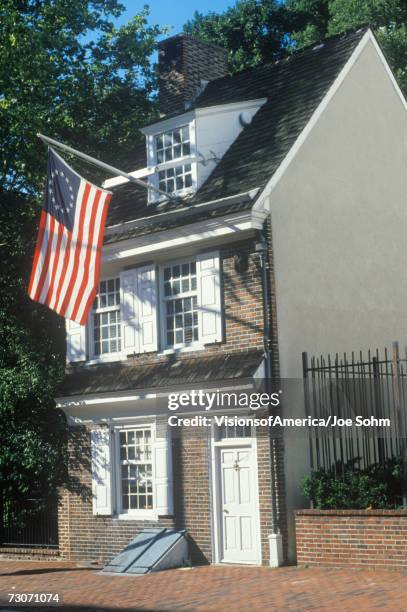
{"x": 65, "y": 270}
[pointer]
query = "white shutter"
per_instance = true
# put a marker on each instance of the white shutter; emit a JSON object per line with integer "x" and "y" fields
{"x": 75, "y": 341}
{"x": 139, "y": 309}
{"x": 147, "y": 308}
{"x": 209, "y": 298}
{"x": 163, "y": 483}
{"x": 129, "y": 315}
{"x": 101, "y": 451}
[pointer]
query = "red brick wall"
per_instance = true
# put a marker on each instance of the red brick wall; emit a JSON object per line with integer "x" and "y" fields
{"x": 84, "y": 537}
{"x": 87, "y": 538}
{"x": 352, "y": 538}
{"x": 242, "y": 303}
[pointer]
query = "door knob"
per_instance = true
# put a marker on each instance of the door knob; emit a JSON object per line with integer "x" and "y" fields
{"x": 226, "y": 510}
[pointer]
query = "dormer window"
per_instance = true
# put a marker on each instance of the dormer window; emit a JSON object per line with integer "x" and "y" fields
{"x": 172, "y": 153}
{"x": 175, "y": 179}
{"x": 173, "y": 144}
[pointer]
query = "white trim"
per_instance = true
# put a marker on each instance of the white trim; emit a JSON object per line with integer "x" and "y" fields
{"x": 387, "y": 68}
{"x": 191, "y": 159}
{"x": 186, "y": 235}
{"x": 148, "y": 514}
{"x": 120, "y": 180}
{"x": 235, "y": 199}
{"x": 279, "y": 173}
{"x": 178, "y": 121}
{"x": 215, "y": 483}
{"x": 170, "y": 350}
{"x": 166, "y": 124}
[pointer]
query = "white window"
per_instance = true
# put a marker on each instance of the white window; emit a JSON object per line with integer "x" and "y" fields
{"x": 173, "y": 144}
{"x": 169, "y": 147}
{"x": 132, "y": 470}
{"x": 175, "y": 179}
{"x": 226, "y": 432}
{"x": 136, "y": 469}
{"x": 106, "y": 318}
{"x": 180, "y": 304}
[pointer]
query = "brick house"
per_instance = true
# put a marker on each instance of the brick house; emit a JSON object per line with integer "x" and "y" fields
{"x": 297, "y": 152}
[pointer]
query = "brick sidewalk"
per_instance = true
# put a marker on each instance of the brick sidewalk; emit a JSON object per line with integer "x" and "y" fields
{"x": 209, "y": 588}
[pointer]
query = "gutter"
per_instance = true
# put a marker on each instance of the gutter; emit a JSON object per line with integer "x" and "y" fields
{"x": 262, "y": 248}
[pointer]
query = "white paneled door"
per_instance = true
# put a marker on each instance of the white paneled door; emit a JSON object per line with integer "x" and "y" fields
{"x": 238, "y": 505}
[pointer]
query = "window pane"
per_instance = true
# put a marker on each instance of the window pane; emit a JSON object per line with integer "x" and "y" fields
{"x": 185, "y": 133}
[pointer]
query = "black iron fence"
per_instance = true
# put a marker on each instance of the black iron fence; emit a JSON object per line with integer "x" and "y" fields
{"x": 30, "y": 523}
{"x": 371, "y": 386}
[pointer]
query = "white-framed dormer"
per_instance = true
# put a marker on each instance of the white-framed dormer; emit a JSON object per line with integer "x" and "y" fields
{"x": 211, "y": 131}
{"x": 171, "y": 150}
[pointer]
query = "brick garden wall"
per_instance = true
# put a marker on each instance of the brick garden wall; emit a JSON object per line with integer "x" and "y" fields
{"x": 352, "y": 538}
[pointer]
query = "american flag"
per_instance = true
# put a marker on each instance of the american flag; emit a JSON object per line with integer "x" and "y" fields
{"x": 66, "y": 263}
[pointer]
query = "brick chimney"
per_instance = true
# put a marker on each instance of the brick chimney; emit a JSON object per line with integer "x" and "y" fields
{"x": 184, "y": 62}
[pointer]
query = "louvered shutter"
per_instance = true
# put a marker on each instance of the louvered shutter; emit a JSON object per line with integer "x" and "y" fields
{"x": 75, "y": 341}
{"x": 129, "y": 314}
{"x": 139, "y": 310}
{"x": 209, "y": 298}
{"x": 101, "y": 452}
{"x": 147, "y": 308}
{"x": 163, "y": 481}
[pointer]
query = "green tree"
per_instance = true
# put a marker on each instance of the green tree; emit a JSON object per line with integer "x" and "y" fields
{"x": 31, "y": 365}
{"x": 387, "y": 18}
{"x": 252, "y": 31}
{"x": 66, "y": 71}
{"x": 255, "y": 31}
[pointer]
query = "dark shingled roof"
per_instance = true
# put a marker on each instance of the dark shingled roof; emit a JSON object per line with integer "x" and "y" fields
{"x": 294, "y": 87}
{"x": 128, "y": 376}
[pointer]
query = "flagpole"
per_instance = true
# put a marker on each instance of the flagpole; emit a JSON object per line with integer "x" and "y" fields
{"x": 107, "y": 167}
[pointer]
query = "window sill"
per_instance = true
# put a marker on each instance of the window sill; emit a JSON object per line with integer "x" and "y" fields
{"x": 142, "y": 515}
{"x": 108, "y": 359}
{"x": 182, "y": 349}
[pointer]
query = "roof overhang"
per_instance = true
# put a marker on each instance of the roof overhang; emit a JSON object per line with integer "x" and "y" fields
{"x": 190, "y": 235}
{"x": 104, "y": 391}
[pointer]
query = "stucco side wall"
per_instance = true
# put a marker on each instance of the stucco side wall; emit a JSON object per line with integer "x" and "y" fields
{"x": 339, "y": 223}
{"x": 339, "y": 232}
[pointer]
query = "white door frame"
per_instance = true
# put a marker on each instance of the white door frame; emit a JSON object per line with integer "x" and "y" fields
{"x": 216, "y": 509}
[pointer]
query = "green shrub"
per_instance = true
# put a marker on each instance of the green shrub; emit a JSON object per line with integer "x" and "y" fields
{"x": 345, "y": 486}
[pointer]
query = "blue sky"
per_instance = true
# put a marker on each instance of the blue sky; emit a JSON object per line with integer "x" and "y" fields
{"x": 173, "y": 12}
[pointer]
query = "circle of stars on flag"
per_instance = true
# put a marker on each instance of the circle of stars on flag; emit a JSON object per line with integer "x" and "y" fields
{"x": 51, "y": 190}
